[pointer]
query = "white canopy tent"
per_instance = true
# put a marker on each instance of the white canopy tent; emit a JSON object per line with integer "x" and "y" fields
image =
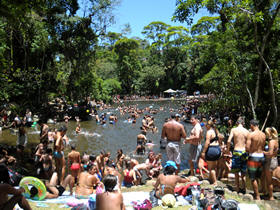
{"x": 170, "y": 91}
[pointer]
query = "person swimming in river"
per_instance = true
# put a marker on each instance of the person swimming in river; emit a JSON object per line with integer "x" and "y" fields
{"x": 113, "y": 119}
{"x": 78, "y": 128}
{"x": 141, "y": 142}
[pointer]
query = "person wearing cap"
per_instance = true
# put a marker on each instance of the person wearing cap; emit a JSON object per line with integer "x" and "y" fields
{"x": 195, "y": 143}
{"x": 167, "y": 181}
{"x": 173, "y": 131}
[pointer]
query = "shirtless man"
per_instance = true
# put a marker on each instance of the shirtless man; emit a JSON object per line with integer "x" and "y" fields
{"x": 141, "y": 141}
{"x": 110, "y": 194}
{"x": 58, "y": 152}
{"x": 78, "y": 129}
{"x": 74, "y": 162}
{"x": 88, "y": 182}
{"x": 145, "y": 125}
{"x": 100, "y": 162}
{"x": 44, "y": 129}
{"x": 173, "y": 131}
{"x": 239, "y": 158}
{"x": 195, "y": 143}
{"x": 255, "y": 147}
{"x": 167, "y": 181}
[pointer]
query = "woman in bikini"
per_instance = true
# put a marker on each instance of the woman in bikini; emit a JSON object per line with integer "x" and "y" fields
{"x": 46, "y": 160}
{"x": 212, "y": 150}
{"x": 271, "y": 161}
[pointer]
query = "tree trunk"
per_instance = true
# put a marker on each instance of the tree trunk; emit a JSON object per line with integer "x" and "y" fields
{"x": 251, "y": 102}
{"x": 272, "y": 91}
{"x": 257, "y": 88}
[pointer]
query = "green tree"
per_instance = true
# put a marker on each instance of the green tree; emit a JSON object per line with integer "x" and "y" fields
{"x": 128, "y": 62}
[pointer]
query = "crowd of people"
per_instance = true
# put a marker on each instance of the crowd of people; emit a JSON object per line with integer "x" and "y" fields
{"x": 212, "y": 154}
{"x": 244, "y": 152}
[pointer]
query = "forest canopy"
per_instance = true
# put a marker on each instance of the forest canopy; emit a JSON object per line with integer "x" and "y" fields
{"x": 49, "y": 49}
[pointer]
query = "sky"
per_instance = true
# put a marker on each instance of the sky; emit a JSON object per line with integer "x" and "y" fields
{"x": 140, "y": 13}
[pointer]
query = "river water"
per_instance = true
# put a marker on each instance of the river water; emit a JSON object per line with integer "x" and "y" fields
{"x": 122, "y": 135}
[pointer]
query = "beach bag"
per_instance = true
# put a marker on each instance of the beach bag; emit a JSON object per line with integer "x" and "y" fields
{"x": 186, "y": 190}
{"x": 146, "y": 205}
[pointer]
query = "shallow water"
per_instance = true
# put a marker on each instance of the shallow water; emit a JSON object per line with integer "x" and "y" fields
{"x": 122, "y": 135}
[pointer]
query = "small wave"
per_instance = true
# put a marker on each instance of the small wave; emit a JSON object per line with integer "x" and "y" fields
{"x": 34, "y": 132}
{"x": 86, "y": 133}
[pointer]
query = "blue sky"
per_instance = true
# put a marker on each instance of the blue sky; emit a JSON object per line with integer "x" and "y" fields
{"x": 139, "y": 13}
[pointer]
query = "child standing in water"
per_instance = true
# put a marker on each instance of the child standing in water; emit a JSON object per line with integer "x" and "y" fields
{"x": 78, "y": 128}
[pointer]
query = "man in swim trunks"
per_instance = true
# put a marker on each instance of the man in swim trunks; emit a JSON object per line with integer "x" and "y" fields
{"x": 255, "y": 147}
{"x": 58, "y": 152}
{"x": 88, "y": 182}
{"x": 74, "y": 162}
{"x": 173, "y": 131}
{"x": 195, "y": 143}
{"x": 239, "y": 157}
{"x": 141, "y": 142}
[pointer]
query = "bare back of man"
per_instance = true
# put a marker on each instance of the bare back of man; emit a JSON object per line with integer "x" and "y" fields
{"x": 74, "y": 162}
{"x": 239, "y": 159}
{"x": 173, "y": 131}
{"x": 257, "y": 142}
{"x": 240, "y": 136}
{"x": 255, "y": 146}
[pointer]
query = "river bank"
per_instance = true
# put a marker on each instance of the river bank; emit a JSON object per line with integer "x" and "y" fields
{"x": 148, "y": 187}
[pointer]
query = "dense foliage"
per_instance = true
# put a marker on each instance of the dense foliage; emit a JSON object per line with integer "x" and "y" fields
{"x": 58, "y": 47}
